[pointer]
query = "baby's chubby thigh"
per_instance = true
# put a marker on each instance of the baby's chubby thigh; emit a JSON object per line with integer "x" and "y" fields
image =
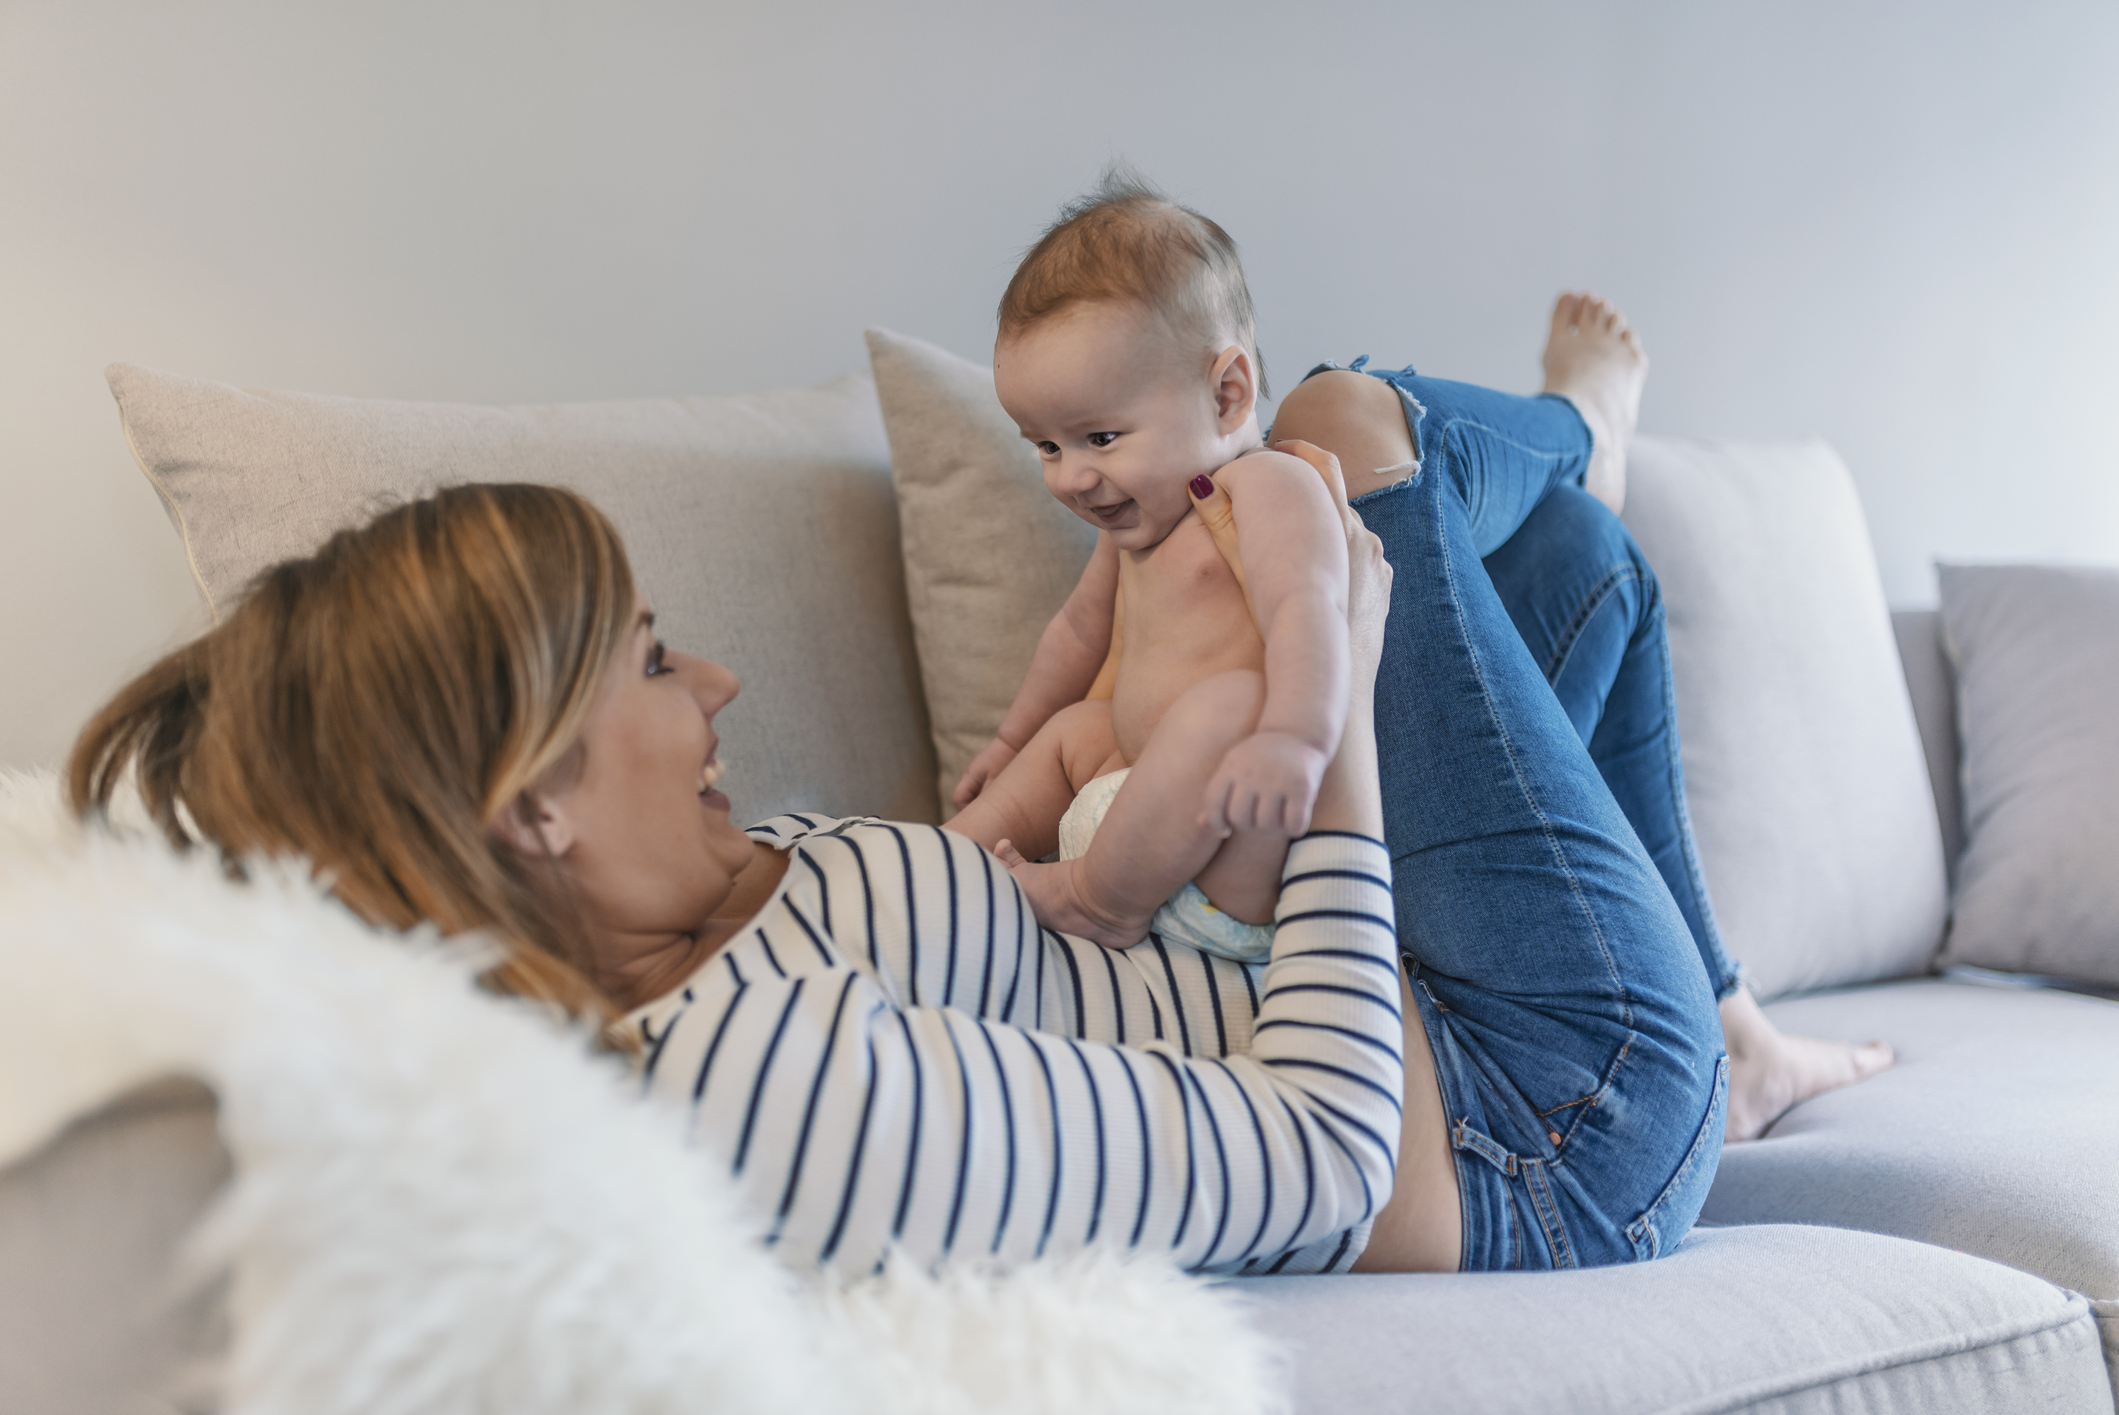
{"x": 1023, "y": 804}
{"x": 1193, "y": 734}
{"x": 1168, "y": 786}
{"x": 1217, "y": 712}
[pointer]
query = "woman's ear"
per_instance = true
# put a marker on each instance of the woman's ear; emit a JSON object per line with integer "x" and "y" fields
{"x": 535, "y": 825}
{"x": 1235, "y": 385}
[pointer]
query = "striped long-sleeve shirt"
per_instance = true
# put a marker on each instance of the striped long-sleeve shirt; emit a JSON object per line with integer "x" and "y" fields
{"x": 893, "y": 1053}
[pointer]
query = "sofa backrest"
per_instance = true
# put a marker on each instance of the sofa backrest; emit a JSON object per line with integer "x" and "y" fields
{"x": 766, "y": 528}
{"x": 763, "y": 526}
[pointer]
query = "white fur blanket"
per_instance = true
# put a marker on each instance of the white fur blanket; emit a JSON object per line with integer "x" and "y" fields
{"x": 443, "y": 1202}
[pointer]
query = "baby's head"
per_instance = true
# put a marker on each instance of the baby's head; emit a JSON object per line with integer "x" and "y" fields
{"x": 1128, "y": 356}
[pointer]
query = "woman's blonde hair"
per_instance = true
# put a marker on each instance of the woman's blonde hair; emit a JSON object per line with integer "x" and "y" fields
{"x": 377, "y": 705}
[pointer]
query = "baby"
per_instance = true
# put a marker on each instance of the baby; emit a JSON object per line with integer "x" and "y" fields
{"x": 1127, "y": 357}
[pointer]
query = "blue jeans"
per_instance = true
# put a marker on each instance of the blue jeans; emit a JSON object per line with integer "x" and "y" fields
{"x": 1560, "y": 982}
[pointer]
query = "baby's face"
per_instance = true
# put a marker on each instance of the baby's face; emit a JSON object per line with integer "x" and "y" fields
{"x": 1121, "y": 415}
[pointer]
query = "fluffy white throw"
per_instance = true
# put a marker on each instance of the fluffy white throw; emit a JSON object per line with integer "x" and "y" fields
{"x": 445, "y": 1203}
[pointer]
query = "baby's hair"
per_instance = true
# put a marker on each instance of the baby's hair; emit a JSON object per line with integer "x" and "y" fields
{"x": 1126, "y": 241}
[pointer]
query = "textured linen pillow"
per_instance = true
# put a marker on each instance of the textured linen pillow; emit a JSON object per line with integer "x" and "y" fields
{"x": 762, "y": 527}
{"x": 1803, "y": 764}
{"x": 989, "y": 555}
{"x": 2036, "y": 651}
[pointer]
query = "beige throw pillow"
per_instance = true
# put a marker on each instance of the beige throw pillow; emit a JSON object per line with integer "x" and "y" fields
{"x": 762, "y": 526}
{"x": 989, "y": 555}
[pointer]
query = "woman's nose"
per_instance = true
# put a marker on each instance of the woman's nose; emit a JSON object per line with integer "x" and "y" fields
{"x": 713, "y": 685}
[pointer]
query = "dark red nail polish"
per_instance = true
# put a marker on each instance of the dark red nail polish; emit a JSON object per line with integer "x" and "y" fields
{"x": 1202, "y": 486}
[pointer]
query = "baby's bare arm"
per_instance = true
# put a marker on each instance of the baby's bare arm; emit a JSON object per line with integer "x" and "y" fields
{"x": 1295, "y": 563}
{"x": 1068, "y": 655}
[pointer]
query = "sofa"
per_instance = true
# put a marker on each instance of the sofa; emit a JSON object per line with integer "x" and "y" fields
{"x": 1944, "y": 1237}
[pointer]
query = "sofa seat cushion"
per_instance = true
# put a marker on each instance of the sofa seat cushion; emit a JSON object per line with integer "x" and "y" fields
{"x": 1997, "y": 1133}
{"x": 1778, "y": 1318}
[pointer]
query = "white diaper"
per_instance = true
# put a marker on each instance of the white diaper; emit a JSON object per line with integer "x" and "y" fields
{"x": 1187, "y": 917}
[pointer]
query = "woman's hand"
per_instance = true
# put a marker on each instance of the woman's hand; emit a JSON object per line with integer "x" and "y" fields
{"x": 1368, "y": 591}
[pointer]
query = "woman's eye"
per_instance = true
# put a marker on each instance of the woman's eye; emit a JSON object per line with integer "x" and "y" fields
{"x": 655, "y": 666}
{"x": 1102, "y": 439}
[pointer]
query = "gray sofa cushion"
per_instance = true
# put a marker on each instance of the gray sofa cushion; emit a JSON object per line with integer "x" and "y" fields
{"x": 1808, "y": 788}
{"x": 763, "y": 527}
{"x": 1997, "y": 1133}
{"x": 1773, "y": 1318}
{"x": 2035, "y": 650}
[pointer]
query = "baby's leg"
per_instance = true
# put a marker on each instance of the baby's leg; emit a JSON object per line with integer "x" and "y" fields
{"x": 1243, "y": 878}
{"x": 1023, "y": 805}
{"x": 1152, "y": 840}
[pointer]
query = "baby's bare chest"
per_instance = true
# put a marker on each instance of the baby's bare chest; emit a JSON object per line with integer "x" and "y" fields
{"x": 1186, "y": 619}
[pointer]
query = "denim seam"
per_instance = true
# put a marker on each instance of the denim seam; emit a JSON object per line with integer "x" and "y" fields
{"x": 1591, "y": 603}
{"x": 1594, "y": 1098}
{"x": 1611, "y": 967}
{"x": 1538, "y": 453}
{"x": 1646, "y": 1222}
{"x": 1465, "y": 1198}
{"x": 1540, "y": 1190}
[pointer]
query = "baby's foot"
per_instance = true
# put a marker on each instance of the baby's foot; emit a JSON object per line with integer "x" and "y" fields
{"x": 1056, "y": 895}
{"x": 1770, "y": 1072}
{"x": 1594, "y": 359}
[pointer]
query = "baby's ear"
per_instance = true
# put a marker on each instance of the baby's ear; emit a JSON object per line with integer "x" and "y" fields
{"x": 1235, "y": 384}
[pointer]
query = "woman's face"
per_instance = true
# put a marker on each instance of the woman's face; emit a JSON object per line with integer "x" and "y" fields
{"x": 643, "y": 835}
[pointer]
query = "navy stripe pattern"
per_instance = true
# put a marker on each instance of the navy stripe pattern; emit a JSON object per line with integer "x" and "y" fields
{"x": 893, "y": 1052}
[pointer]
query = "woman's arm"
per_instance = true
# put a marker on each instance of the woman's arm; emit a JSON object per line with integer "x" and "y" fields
{"x": 1351, "y": 796}
{"x": 858, "y": 1119}
{"x": 1069, "y": 653}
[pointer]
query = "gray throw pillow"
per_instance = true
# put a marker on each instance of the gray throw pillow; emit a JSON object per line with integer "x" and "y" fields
{"x": 989, "y": 555}
{"x": 762, "y": 526}
{"x": 2036, "y": 653}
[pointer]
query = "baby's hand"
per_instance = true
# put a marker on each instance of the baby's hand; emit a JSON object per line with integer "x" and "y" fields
{"x": 988, "y": 764}
{"x": 1268, "y": 781}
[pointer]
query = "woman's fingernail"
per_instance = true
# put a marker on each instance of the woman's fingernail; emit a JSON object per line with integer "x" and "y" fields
{"x": 1202, "y": 486}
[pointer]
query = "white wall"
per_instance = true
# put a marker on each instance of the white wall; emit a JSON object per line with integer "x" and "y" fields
{"x": 1891, "y": 225}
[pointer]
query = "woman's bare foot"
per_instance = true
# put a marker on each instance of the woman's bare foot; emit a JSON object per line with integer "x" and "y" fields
{"x": 1594, "y": 360}
{"x": 1771, "y": 1072}
{"x": 1060, "y": 903}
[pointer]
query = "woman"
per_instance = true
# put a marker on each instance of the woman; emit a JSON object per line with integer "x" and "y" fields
{"x": 461, "y": 712}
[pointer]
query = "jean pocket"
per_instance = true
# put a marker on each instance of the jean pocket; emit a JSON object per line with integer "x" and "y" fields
{"x": 1667, "y": 1220}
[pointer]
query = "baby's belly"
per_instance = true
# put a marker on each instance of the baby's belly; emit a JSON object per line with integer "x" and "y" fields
{"x": 1155, "y": 675}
